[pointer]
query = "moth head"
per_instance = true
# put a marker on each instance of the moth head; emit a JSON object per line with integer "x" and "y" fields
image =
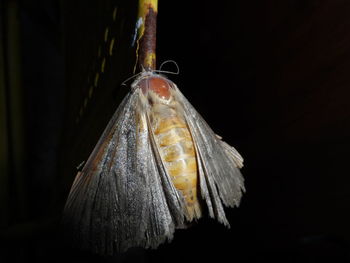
{"x": 156, "y": 87}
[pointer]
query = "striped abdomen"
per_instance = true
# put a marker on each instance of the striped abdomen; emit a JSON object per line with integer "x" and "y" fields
{"x": 173, "y": 140}
{"x": 176, "y": 148}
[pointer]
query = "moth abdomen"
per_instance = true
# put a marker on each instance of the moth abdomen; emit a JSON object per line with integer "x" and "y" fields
{"x": 177, "y": 151}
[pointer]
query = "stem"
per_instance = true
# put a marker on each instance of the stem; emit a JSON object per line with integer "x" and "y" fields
{"x": 146, "y": 42}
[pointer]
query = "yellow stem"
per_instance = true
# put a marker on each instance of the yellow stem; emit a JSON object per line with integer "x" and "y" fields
{"x": 146, "y": 40}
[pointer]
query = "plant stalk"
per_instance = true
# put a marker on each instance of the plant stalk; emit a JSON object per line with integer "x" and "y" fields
{"x": 147, "y": 28}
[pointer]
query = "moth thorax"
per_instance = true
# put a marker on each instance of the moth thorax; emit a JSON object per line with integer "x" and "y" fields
{"x": 159, "y": 86}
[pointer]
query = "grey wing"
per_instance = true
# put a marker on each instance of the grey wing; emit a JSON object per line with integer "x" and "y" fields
{"x": 237, "y": 158}
{"x": 121, "y": 198}
{"x": 221, "y": 181}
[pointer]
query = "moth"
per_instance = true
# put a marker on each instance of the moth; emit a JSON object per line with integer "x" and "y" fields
{"x": 158, "y": 166}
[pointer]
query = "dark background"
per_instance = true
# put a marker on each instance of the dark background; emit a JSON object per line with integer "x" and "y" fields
{"x": 271, "y": 77}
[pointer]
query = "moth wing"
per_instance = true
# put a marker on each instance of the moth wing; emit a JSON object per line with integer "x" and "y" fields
{"x": 174, "y": 197}
{"x": 237, "y": 158}
{"x": 121, "y": 198}
{"x": 221, "y": 182}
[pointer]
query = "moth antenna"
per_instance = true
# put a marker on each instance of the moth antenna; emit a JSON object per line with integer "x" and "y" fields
{"x": 157, "y": 71}
{"x": 132, "y": 77}
{"x": 80, "y": 166}
{"x": 169, "y": 72}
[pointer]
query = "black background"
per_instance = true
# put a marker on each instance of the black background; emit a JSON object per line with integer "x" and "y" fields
{"x": 271, "y": 77}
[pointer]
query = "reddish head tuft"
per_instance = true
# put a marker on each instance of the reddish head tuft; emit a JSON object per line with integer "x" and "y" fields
{"x": 158, "y": 85}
